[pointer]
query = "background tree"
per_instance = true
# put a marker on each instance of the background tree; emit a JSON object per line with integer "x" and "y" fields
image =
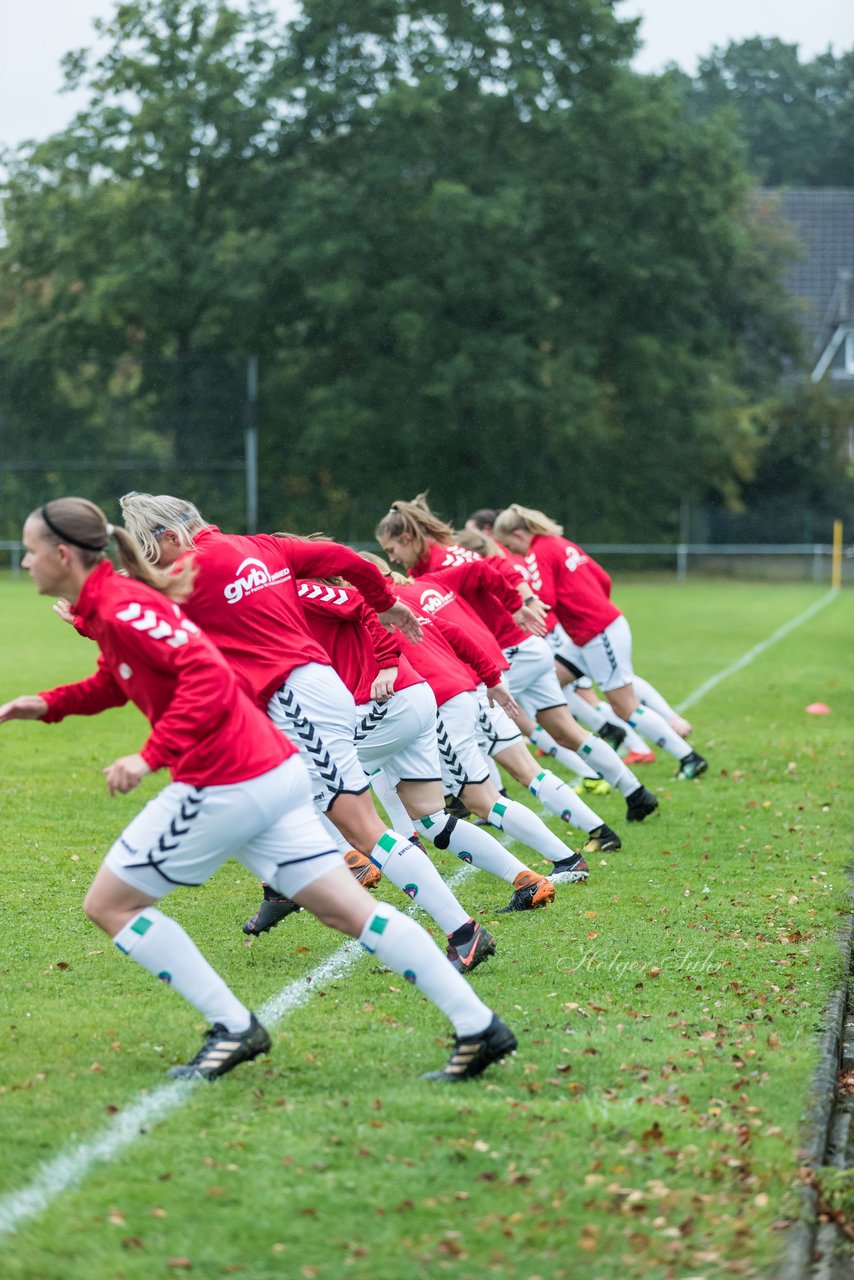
{"x": 474, "y": 251}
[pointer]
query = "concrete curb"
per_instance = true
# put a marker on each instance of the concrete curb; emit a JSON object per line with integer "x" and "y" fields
{"x": 797, "y": 1259}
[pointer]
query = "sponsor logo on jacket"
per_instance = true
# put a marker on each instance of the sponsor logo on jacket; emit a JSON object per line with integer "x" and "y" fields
{"x": 252, "y": 575}
{"x": 433, "y": 600}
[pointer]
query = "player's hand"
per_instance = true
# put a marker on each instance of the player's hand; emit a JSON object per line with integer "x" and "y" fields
{"x": 401, "y": 617}
{"x": 500, "y": 697}
{"x": 532, "y": 617}
{"x": 125, "y": 773}
{"x": 28, "y": 707}
{"x": 63, "y": 610}
{"x": 383, "y": 686}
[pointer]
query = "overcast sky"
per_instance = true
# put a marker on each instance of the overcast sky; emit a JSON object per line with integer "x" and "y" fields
{"x": 34, "y": 34}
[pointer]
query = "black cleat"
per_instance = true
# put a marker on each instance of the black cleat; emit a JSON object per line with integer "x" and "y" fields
{"x": 640, "y": 804}
{"x": 571, "y": 870}
{"x": 473, "y": 1054}
{"x": 271, "y": 912}
{"x": 602, "y": 840}
{"x": 455, "y": 807}
{"x": 692, "y": 766}
{"x": 222, "y": 1051}
{"x": 613, "y": 734}
{"x": 465, "y": 956}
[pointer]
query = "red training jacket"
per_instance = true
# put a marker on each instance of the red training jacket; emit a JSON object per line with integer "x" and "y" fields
{"x": 245, "y": 598}
{"x": 576, "y": 587}
{"x": 357, "y": 643}
{"x": 205, "y": 730}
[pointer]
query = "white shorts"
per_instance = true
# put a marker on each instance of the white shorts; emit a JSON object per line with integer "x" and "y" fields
{"x": 399, "y": 736}
{"x": 569, "y": 655}
{"x": 495, "y": 729}
{"x": 608, "y": 656}
{"x": 315, "y": 709}
{"x": 532, "y": 679}
{"x": 185, "y": 833}
{"x": 462, "y": 760}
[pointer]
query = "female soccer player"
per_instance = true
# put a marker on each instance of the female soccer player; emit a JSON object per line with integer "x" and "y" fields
{"x": 238, "y": 790}
{"x": 244, "y": 595}
{"x": 577, "y": 588}
{"x": 412, "y": 535}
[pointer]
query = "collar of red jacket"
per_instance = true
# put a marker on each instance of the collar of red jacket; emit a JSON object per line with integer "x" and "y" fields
{"x": 87, "y": 602}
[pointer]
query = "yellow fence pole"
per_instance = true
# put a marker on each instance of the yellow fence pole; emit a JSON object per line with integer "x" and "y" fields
{"x": 836, "y": 570}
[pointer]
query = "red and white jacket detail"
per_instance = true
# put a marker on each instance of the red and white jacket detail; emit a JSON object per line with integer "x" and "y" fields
{"x": 205, "y": 730}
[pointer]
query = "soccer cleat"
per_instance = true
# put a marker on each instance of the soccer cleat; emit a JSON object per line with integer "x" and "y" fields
{"x": 473, "y": 1054}
{"x": 613, "y": 734}
{"x": 602, "y": 840}
{"x": 640, "y": 804}
{"x": 692, "y": 766}
{"x": 271, "y": 912}
{"x": 571, "y": 870}
{"x": 455, "y": 807}
{"x": 639, "y": 757}
{"x": 530, "y": 891}
{"x": 466, "y": 956}
{"x": 222, "y": 1051}
{"x": 592, "y": 786}
{"x": 363, "y": 869}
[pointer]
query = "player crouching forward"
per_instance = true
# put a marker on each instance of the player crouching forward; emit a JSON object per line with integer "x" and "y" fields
{"x": 238, "y": 790}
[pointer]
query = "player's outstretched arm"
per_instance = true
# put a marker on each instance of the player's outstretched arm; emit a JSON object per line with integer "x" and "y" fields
{"x": 30, "y": 706}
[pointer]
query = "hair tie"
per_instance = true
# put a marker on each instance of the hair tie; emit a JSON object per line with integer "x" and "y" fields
{"x": 109, "y": 529}
{"x": 65, "y": 537}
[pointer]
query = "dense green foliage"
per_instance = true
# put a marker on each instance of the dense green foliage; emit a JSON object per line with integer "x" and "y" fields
{"x": 471, "y": 249}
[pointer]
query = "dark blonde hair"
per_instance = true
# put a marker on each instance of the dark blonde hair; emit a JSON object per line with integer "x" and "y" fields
{"x": 81, "y": 525}
{"x": 518, "y": 517}
{"x": 385, "y": 568}
{"x": 475, "y": 540}
{"x": 416, "y": 519}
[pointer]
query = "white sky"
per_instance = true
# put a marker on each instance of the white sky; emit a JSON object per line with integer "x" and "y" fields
{"x": 34, "y": 34}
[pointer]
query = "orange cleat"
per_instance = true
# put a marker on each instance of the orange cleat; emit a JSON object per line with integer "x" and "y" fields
{"x": 530, "y": 891}
{"x": 639, "y": 757}
{"x": 363, "y": 869}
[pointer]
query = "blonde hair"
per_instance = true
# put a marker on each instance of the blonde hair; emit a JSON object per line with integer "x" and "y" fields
{"x": 519, "y": 517}
{"x": 147, "y": 516}
{"x": 475, "y": 540}
{"x": 81, "y": 525}
{"x": 385, "y": 568}
{"x": 416, "y": 519}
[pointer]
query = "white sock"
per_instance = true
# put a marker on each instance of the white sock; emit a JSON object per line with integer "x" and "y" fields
{"x": 162, "y": 947}
{"x": 391, "y": 802}
{"x": 650, "y": 697}
{"x": 655, "y": 729}
{"x": 411, "y": 870}
{"x": 582, "y": 711}
{"x": 563, "y": 801}
{"x": 564, "y": 755}
{"x": 523, "y": 825}
{"x": 403, "y": 946}
{"x": 606, "y": 761}
{"x": 471, "y": 844}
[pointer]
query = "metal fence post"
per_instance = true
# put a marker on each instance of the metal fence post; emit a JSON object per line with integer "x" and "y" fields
{"x": 681, "y": 562}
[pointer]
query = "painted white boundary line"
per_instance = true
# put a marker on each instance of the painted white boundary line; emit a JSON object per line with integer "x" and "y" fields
{"x": 758, "y": 649}
{"x": 71, "y": 1166}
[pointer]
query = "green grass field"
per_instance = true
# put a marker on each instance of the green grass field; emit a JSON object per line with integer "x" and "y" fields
{"x": 667, "y": 1012}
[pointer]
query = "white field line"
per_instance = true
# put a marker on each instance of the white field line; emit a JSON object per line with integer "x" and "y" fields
{"x": 756, "y": 651}
{"x": 71, "y": 1166}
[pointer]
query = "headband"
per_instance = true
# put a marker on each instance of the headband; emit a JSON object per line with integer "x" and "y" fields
{"x": 65, "y": 537}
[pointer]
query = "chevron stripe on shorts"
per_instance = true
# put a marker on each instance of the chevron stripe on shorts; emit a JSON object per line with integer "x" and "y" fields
{"x": 449, "y": 755}
{"x": 369, "y": 722}
{"x": 309, "y": 741}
